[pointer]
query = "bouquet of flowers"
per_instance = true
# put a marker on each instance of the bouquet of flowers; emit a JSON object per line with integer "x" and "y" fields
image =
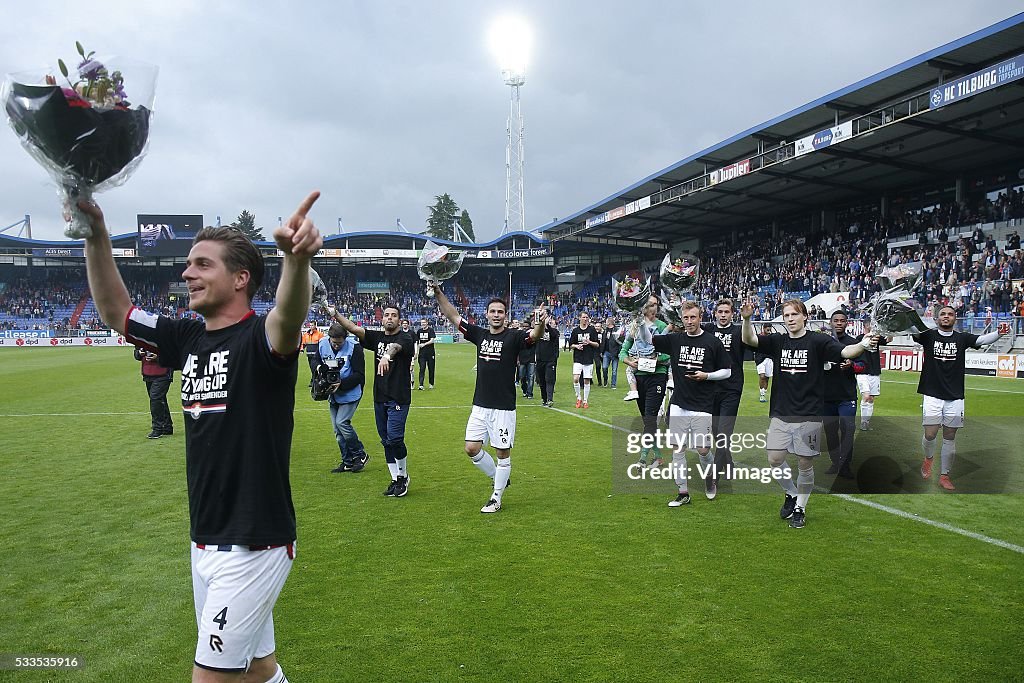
{"x": 85, "y": 133}
{"x": 438, "y": 263}
{"x": 894, "y": 311}
{"x": 679, "y": 273}
{"x": 319, "y": 296}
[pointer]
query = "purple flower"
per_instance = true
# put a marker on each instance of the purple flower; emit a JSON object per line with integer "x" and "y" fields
{"x": 90, "y": 69}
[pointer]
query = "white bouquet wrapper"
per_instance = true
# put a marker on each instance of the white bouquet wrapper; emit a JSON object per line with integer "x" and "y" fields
{"x": 438, "y": 263}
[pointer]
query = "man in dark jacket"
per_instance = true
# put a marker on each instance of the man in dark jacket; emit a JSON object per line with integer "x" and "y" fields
{"x": 158, "y": 381}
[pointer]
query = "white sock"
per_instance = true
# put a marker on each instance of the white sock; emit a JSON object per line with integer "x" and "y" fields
{"x": 785, "y": 480}
{"x": 502, "y": 472}
{"x": 576, "y": 387}
{"x": 402, "y": 471}
{"x": 804, "y": 486}
{"x": 762, "y": 392}
{"x": 586, "y": 392}
{"x": 278, "y": 676}
{"x": 484, "y": 462}
{"x": 393, "y": 468}
{"x": 948, "y": 455}
{"x": 866, "y": 411}
{"x": 679, "y": 463}
{"x": 929, "y": 447}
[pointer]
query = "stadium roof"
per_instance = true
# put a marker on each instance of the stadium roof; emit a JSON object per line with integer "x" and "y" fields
{"x": 891, "y": 139}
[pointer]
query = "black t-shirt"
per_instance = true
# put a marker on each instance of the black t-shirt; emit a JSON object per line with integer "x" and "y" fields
{"x": 586, "y": 356}
{"x": 496, "y": 359}
{"x": 547, "y": 345}
{"x": 841, "y": 383}
{"x": 942, "y": 372}
{"x": 731, "y": 337}
{"x": 702, "y": 353}
{"x": 395, "y": 385}
{"x": 873, "y": 359}
{"x": 423, "y": 336}
{"x": 528, "y": 354}
{"x": 238, "y": 398}
{"x": 798, "y": 387}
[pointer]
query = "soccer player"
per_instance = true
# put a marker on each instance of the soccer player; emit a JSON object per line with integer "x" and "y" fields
{"x": 584, "y": 342}
{"x": 407, "y": 330}
{"x": 610, "y": 345}
{"x": 599, "y": 354}
{"x": 238, "y": 373}
{"x": 696, "y": 357}
{"x": 347, "y": 354}
{"x": 425, "y": 339}
{"x": 728, "y": 391}
{"x": 650, "y": 371}
{"x": 840, "y": 402}
{"x": 798, "y": 396}
{"x": 942, "y": 385}
{"x": 869, "y": 379}
{"x": 547, "y": 362}
{"x": 764, "y": 369}
{"x": 494, "y": 400}
{"x": 392, "y": 389}
{"x": 527, "y": 371}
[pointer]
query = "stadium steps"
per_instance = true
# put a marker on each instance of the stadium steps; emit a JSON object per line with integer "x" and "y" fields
{"x": 82, "y": 301}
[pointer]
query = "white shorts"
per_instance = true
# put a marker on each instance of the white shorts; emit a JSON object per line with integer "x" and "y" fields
{"x": 234, "y": 593}
{"x": 798, "y": 438}
{"x": 690, "y": 429}
{"x": 869, "y": 384}
{"x": 765, "y": 367}
{"x": 945, "y": 413}
{"x": 490, "y": 425}
{"x": 587, "y": 371}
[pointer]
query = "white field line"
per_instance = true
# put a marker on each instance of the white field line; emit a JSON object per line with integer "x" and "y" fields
{"x": 998, "y": 391}
{"x": 146, "y": 412}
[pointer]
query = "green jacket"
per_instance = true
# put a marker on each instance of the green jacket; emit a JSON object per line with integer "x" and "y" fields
{"x": 663, "y": 359}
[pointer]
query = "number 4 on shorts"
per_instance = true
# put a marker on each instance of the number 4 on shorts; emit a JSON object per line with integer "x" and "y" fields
{"x": 221, "y": 618}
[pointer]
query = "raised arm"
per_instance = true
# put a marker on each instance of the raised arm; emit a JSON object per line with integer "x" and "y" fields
{"x": 746, "y": 312}
{"x": 352, "y": 328}
{"x": 300, "y": 240}
{"x": 447, "y": 310}
{"x": 105, "y": 283}
{"x": 538, "y": 329}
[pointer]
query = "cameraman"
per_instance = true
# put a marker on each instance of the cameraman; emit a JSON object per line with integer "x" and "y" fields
{"x": 158, "y": 381}
{"x": 346, "y": 354}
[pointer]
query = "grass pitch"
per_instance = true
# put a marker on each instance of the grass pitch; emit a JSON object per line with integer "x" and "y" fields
{"x": 571, "y": 581}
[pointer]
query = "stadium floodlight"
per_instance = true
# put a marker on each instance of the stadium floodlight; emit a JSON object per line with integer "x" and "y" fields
{"x": 510, "y": 42}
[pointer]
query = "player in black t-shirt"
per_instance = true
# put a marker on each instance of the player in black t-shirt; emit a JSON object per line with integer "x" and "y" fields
{"x": 584, "y": 341}
{"x": 238, "y": 374}
{"x": 764, "y": 368}
{"x": 494, "y": 400}
{"x": 425, "y": 339}
{"x": 942, "y": 386}
{"x": 695, "y": 356}
{"x": 727, "y": 392}
{"x": 392, "y": 389}
{"x": 868, "y": 369}
{"x": 798, "y": 397}
{"x": 840, "y": 402}
{"x": 547, "y": 361}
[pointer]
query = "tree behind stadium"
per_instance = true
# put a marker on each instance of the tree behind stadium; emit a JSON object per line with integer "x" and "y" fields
{"x": 246, "y": 222}
{"x": 443, "y": 214}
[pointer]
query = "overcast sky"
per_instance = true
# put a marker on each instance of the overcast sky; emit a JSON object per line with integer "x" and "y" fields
{"x": 384, "y": 105}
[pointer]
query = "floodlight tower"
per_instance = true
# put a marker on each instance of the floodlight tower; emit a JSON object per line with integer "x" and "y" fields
{"x": 510, "y": 40}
